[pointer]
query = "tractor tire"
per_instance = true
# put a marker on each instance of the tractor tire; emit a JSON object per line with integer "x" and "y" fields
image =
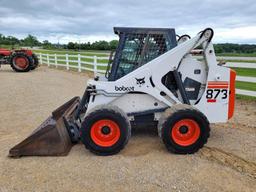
{"x": 35, "y": 62}
{"x": 105, "y": 130}
{"x": 183, "y": 129}
{"x": 20, "y": 62}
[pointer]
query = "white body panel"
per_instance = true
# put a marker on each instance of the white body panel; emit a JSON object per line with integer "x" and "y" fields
{"x": 116, "y": 92}
{"x": 137, "y": 102}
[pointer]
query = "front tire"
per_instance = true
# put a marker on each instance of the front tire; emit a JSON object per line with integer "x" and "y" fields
{"x": 183, "y": 129}
{"x": 105, "y": 130}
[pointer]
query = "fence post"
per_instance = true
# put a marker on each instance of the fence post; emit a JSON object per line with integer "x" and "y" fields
{"x": 48, "y": 60}
{"x": 79, "y": 62}
{"x": 40, "y": 58}
{"x": 67, "y": 62}
{"x": 95, "y": 65}
{"x": 55, "y": 59}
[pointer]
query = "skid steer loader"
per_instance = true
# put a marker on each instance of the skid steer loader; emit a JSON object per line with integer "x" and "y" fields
{"x": 151, "y": 79}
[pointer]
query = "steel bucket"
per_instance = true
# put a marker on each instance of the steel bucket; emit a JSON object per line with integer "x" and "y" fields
{"x": 52, "y": 137}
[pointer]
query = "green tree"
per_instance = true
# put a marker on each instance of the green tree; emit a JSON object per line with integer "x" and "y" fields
{"x": 71, "y": 45}
{"x": 86, "y": 46}
{"x": 113, "y": 44}
{"x": 31, "y": 41}
{"x": 47, "y": 44}
{"x": 100, "y": 45}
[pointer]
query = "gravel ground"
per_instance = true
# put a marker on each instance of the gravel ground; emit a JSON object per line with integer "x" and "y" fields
{"x": 227, "y": 163}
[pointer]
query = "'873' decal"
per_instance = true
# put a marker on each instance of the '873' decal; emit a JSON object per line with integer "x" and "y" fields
{"x": 216, "y": 90}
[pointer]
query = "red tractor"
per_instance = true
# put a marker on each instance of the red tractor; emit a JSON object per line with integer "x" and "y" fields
{"x": 20, "y": 60}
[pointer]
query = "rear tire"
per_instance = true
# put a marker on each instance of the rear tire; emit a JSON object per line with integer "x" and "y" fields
{"x": 20, "y": 62}
{"x": 105, "y": 130}
{"x": 35, "y": 62}
{"x": 183, "y": 129}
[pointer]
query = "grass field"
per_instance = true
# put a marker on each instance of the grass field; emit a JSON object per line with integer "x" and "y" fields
{"x": 9, "y": 46}
{"x": 246, "y": 85}
{"x": 100, "y": 53}
{"x": 241, "y": 61}
{"x": 245, "y": 97}
{"x": 85, "y": 53}
{"x": 237, "y": 54}
{"x": 245, "y": 72}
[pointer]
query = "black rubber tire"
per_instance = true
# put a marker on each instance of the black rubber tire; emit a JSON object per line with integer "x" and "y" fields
{"x": 35, "y": 62}
{"x": 175, "y": 114}
{"x": 106, "y": 112}
{"x": 20, "y": 54}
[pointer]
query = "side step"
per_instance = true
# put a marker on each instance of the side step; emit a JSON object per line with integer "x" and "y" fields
{"x": 51, "y": 138}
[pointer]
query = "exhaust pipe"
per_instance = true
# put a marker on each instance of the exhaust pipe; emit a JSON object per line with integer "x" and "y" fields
{"x": 52, "y": 137}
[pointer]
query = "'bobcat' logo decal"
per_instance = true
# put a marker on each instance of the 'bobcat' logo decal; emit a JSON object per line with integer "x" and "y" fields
{"x": 140, "y": 81}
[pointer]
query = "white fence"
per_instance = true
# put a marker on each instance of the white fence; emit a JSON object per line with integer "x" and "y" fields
{"x": 241, "y": 65}
{"x": 97, "y": 65}
{"x": 80, "y": 62}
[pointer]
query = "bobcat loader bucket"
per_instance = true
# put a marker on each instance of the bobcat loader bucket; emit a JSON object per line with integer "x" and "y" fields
{"x": 52, "y": 137}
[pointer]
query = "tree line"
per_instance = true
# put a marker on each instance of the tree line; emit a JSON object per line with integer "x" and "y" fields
{"x": 32, "y": 41}
{"x": 97, "y": 45}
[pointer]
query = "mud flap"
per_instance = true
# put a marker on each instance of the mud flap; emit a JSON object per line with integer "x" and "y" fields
{"x": 51, "y": 138}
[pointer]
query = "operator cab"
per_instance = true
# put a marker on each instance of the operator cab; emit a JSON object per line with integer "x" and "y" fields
{"x": 138, "y": 46}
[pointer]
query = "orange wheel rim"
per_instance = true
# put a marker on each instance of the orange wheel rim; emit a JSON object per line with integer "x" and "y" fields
{"x": 105, "y": 132}
{"x": 185, "y": 132}
{"x": 21, "y": 62}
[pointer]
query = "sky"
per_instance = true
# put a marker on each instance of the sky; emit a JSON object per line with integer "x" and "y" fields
{"x": 233, "y": 21}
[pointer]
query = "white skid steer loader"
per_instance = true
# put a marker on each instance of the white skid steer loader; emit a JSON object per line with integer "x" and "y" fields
{"x": 153, "y": 79}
